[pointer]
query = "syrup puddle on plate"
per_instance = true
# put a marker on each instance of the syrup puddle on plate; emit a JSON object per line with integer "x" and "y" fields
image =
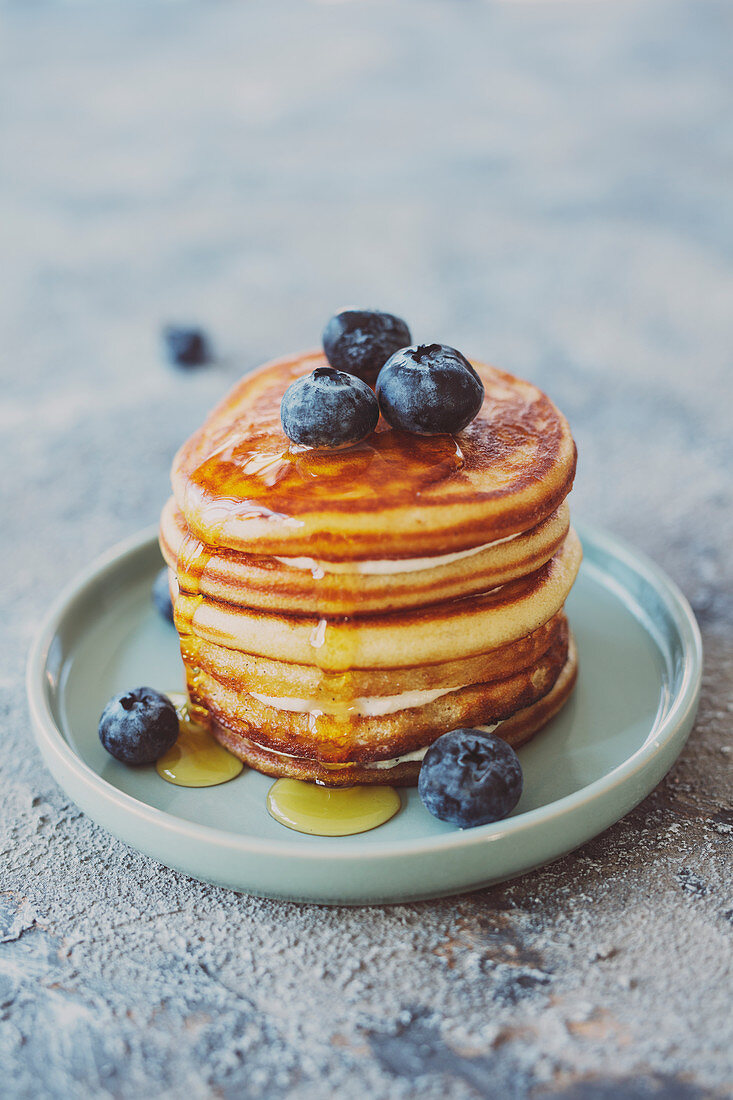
{"x": 196, "y": 759}
{"x": 331, "y": 811}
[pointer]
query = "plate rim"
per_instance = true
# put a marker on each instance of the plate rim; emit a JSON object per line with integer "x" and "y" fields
{"x": 52, "y": 743}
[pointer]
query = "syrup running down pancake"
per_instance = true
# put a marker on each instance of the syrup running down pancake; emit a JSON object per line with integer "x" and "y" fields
{"x": 340, "y": 610}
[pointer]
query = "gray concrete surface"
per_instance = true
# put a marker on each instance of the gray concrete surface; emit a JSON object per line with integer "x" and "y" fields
{"x": 547, "y": 185}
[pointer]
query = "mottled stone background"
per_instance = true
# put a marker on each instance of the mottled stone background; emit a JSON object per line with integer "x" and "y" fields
{"x": 548, "y": 185}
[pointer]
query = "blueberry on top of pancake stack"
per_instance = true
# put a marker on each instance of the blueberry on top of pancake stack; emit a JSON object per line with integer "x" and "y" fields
{"x": 345, "y": 596}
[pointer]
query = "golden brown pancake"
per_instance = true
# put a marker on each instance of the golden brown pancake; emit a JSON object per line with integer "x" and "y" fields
{"x": 516, "y": 730}
{"x": 360, "y": 728}
{"x": 241, "y": 485}
{"x": 246, "y": 672}
{"x": 272, "y": 583}
{"x": 456, "y": 628}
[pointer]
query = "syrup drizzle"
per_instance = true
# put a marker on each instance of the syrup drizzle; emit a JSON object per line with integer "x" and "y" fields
{"x": 236, "y": 480}
{"x": 256, "y": 477}
{"x": 196, "y": 759}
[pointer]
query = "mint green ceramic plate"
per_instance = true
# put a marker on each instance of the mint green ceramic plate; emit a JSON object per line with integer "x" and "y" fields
{"x": 637, "y": 694}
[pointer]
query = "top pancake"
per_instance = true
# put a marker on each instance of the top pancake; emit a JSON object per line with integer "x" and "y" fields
{"x": 241, "y": 485}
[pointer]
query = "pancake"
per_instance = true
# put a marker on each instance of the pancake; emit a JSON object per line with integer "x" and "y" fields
{"x": 240, "y": 484}
{"x": 456, "y": 628}
{"x": 340, "y": 610}
{"x": 354, "y": 587}
{"x": 516, "y": 730}
{"x": 365, "y": 728}
{"x": 245, "y": 672}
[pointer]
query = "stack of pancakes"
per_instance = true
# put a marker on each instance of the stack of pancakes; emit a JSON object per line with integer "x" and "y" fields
{"x": 340, "y": 610}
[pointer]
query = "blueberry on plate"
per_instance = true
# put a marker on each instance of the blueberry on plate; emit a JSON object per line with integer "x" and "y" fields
{"x": 469, "y": 777}
{"x": 328, "y": 408}
{"x": 429, "y": 389}
{"x": 138, "y": 726}
{"x": 186, "y": 347}
{"x": 360, "y": 341}
{"x": 161, "y": 594}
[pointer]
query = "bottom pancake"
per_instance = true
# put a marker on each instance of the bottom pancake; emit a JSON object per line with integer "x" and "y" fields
{"x": 516, "y": 730}
{"x": 364, "y": 730}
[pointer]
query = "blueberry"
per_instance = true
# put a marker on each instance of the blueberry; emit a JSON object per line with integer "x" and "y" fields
{"x": 138, "y": 726}
{"x": 328, "y": 408}
{"x": 470, "y": 777}
{"x": 360, "y": 341}
{"x": 186, "y": 347}
{"x": 161, "y": 594}
{"x": 429, "y": 389}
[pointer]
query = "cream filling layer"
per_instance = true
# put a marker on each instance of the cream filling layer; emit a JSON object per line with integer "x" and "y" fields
{"x": 384, "y": 765}
{"x": 366, "y": 706}
{"x": 393, "y": 565}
